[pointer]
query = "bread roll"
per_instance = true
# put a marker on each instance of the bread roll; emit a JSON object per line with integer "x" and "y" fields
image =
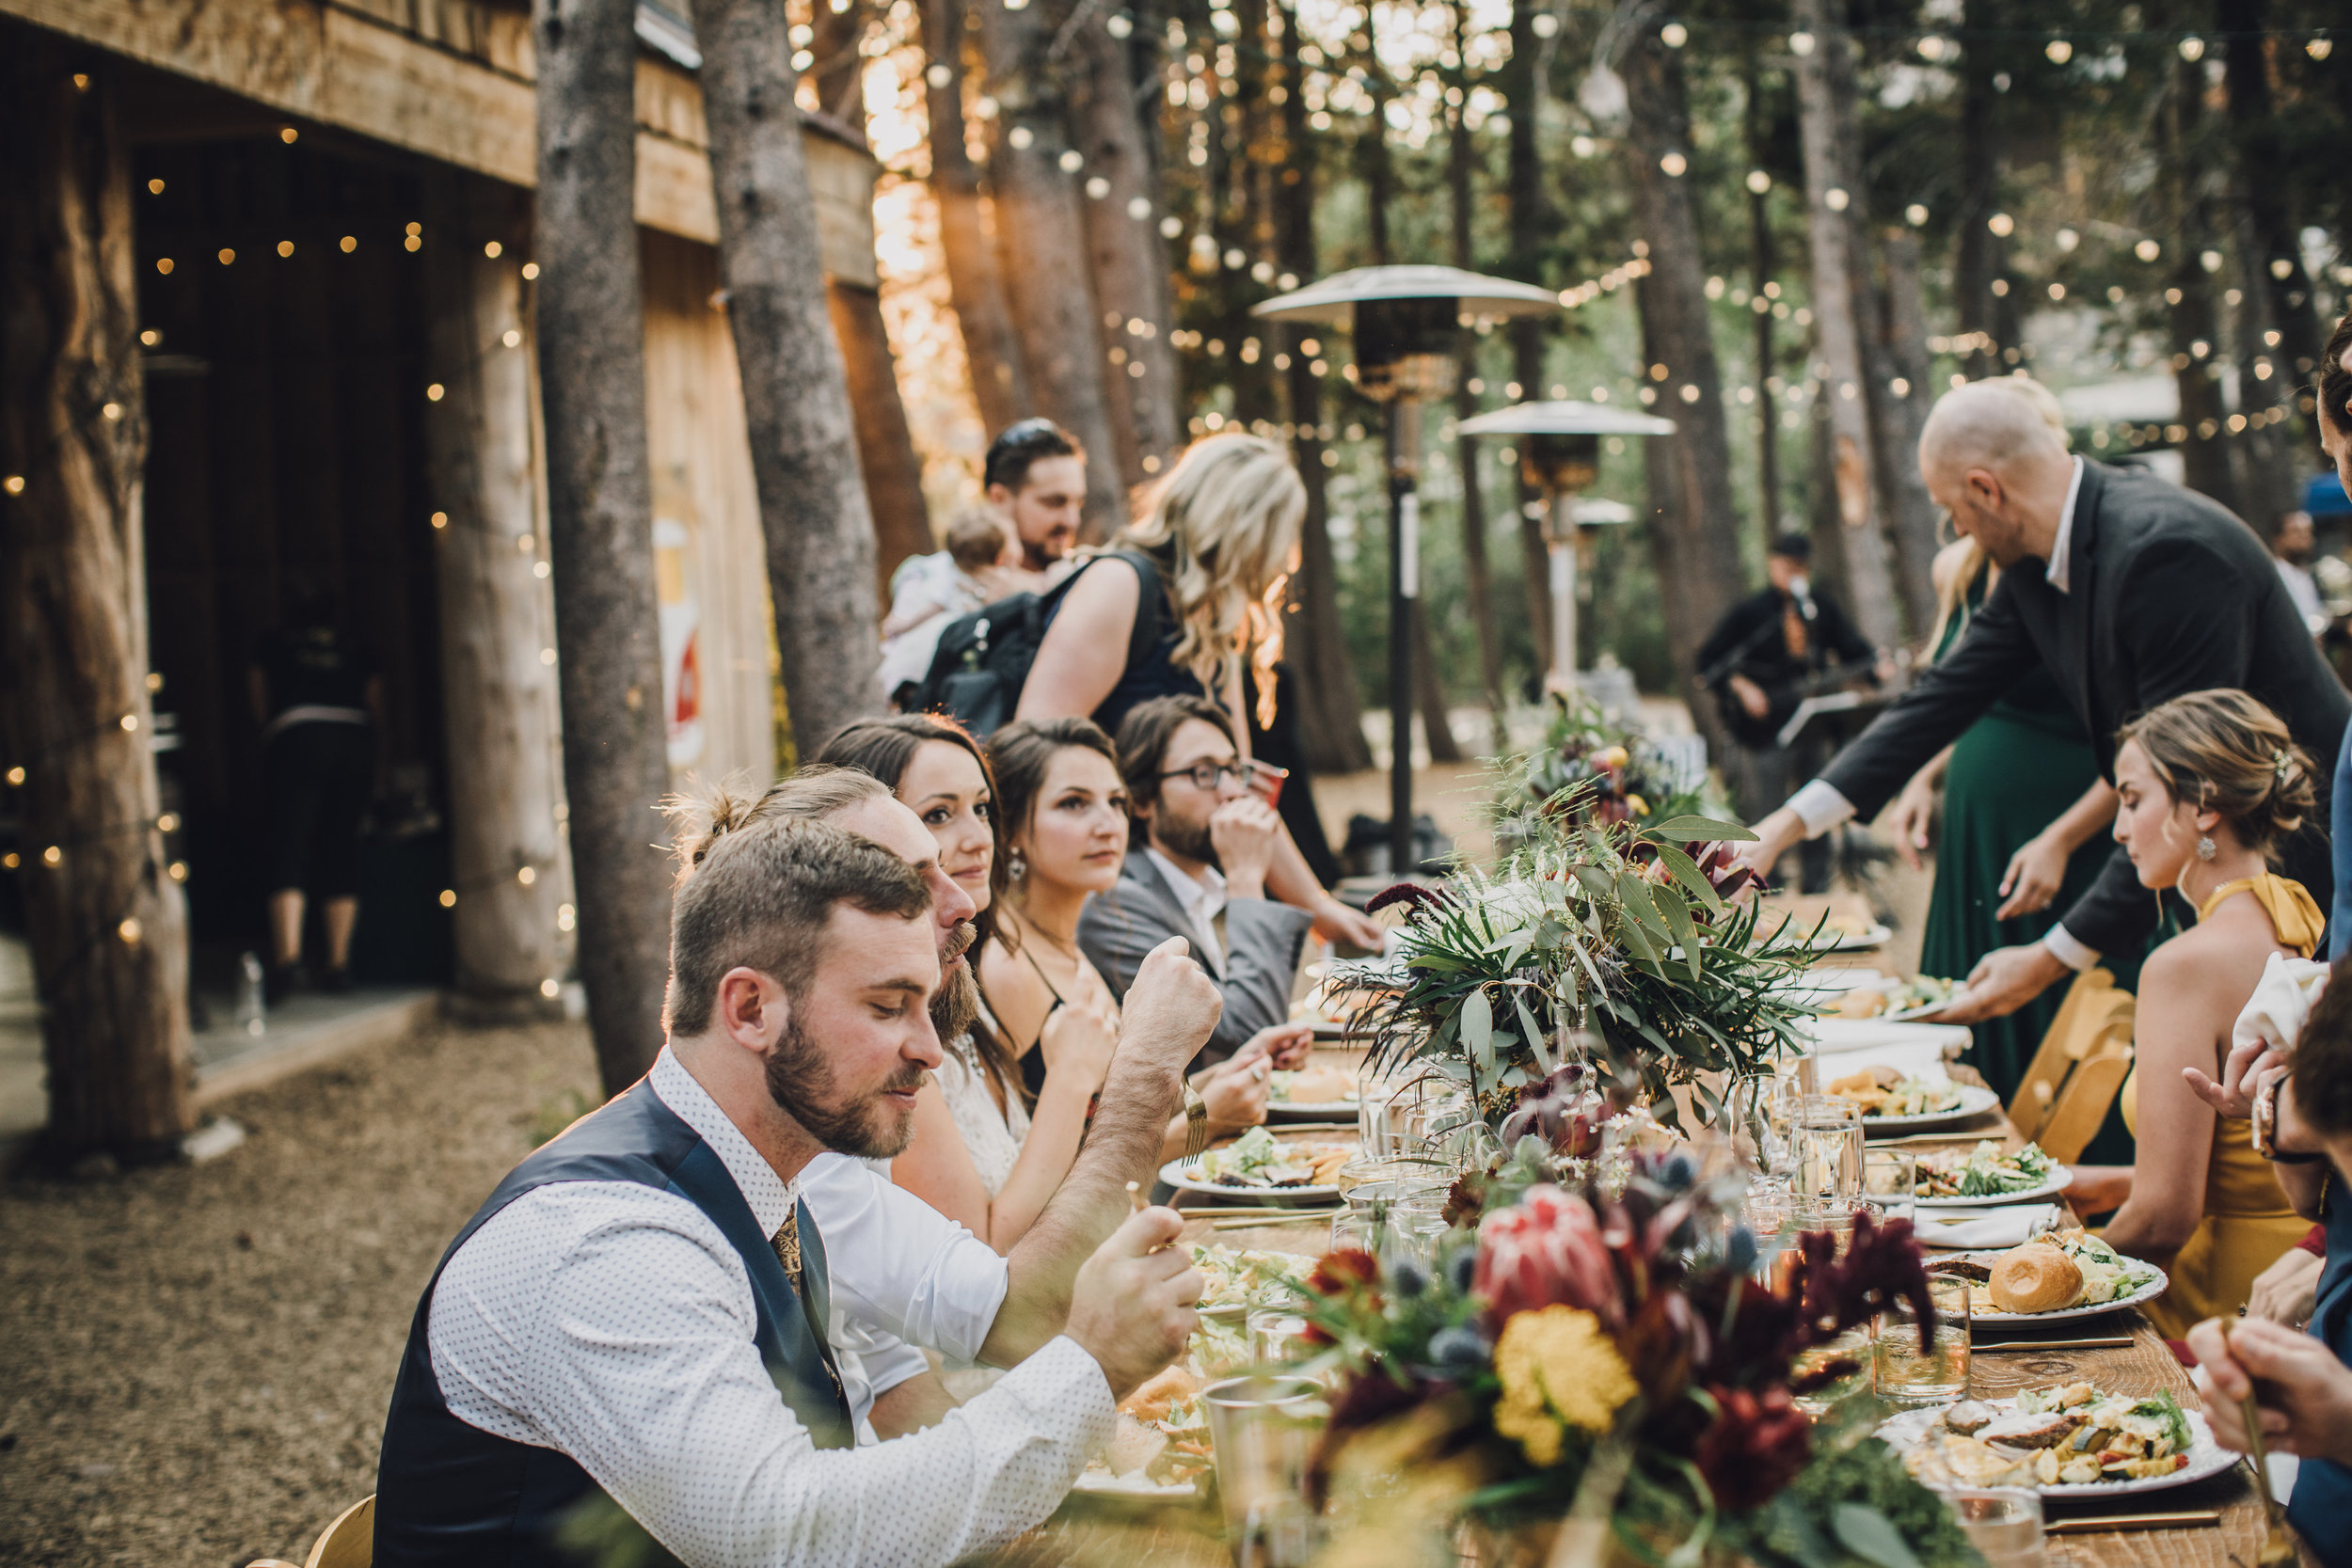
{"x": 2036, "y": 1278}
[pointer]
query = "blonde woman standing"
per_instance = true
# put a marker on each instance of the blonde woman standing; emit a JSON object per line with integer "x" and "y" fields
{"x": 1209, "y": 559}
{"x": 2209, "y": 786}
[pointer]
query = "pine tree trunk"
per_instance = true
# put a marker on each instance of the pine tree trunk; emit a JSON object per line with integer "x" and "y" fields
{"x": 1980, "y": 256}
{"x": 1330, "y": 719}
{"x": 1522, "y": 82}
{"x": 1763, "y": 268}
{"x": 1481, "y": 589}
{"x": 592, "y": 373}
{"x": 1693, "y": 526}
{"x": 796, "y": 395}
{"x": 1896, "y": 368}
{"x": 500, "y": 701}
{"x": 2194, "y": 324}
{"x": 1122, "y": 223}
{"x": 1042, "y": 246}
{"x": 107, "y": 925}
{"x": 1840, "y": 288}
{"x": 887, "y": 459}
{"x": 976, "y": 282}
{"x": 2271, "y": 226}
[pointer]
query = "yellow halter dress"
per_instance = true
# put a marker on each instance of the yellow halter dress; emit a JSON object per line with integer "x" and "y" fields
{"x": 2249, "y": 1223}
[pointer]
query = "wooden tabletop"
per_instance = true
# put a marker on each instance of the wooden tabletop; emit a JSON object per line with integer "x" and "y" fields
{"x": 1088, "y": 1530}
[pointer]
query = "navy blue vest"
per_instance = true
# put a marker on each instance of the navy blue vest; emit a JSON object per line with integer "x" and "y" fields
{"x": 451, "y": 1492}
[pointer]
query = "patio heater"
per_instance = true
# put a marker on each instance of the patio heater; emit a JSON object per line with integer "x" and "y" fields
{"x": 1406, "y": 323}
{"x": 1560, "y": 455}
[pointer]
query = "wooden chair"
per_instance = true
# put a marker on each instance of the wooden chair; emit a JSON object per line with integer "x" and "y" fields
{"x": 2078, "y": 1070}
{"x": 348, "y": 1543}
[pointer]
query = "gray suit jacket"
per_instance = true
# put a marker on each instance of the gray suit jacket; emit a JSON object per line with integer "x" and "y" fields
{"x": 1262, "y": 941}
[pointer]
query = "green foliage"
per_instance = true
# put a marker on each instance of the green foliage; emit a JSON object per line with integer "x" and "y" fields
{"x": 1854, "y": 1507}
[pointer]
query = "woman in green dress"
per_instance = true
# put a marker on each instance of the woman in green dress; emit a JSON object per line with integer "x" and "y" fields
{"x": 2024, "y": 830}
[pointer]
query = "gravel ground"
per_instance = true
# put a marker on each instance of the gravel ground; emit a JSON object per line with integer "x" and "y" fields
{"x": 197, "y": 1359}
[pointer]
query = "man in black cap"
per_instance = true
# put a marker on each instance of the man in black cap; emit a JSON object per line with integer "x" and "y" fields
{"x": 1769, "y": 652}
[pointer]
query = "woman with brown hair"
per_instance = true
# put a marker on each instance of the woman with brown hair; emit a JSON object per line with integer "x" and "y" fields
{"x": 2208, "y": 785}
{"x": 1063, "y": 823}
{"x": 1209, "y": 559}
{"x": 985, "y": 1152}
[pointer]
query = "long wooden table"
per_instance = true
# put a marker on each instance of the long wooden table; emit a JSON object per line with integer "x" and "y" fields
{"x": 1089, "y": 1530}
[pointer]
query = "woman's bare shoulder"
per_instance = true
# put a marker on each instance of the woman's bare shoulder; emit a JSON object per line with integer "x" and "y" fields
{"x": 2215, "y": 961}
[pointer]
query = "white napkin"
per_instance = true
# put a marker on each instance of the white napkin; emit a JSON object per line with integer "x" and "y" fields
{"x": 2282, "y": 999}
{"x": 2007, "y": 1226}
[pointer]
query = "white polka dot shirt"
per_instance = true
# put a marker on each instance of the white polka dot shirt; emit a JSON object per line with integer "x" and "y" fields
{"x": 613, "y": 1322}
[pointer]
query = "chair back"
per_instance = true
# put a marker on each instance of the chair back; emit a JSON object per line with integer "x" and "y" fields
{"x": 2078, "y": 1070}
{"x": 348, "y": 1543}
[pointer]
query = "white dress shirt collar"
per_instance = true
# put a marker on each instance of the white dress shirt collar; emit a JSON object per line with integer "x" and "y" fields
{"x": 770, "y": 1195}
{"x": 2061, "y": 550}
{"x": 1203, "y": 899}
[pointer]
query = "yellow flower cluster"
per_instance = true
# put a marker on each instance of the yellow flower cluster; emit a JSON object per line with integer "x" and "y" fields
{"x": 1558, "y": 1369}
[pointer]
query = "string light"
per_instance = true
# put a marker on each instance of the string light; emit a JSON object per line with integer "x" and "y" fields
{"x": 531, "y": 270}
{"x": 287, "y": 135}
{"x": 449, "y": 899}
{"x": 163, "y": 264}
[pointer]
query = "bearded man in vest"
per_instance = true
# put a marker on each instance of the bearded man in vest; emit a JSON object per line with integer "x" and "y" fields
{"x": 625, "y": 1353}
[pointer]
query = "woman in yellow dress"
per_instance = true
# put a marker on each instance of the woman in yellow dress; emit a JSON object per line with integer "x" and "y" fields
{"x": 2209, "y": 783}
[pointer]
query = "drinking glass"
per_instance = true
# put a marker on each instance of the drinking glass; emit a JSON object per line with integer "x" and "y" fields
{"x": 1851, "y": 1347}
{"x": 1890, "y": 1178}
{"x": 1829, "y": 1148}
{"x": 1263, "y": 1429}
{"x": 1908, "y": 1377}
{"x": 1417, "y": 1226}
{"x": 2004, "y": 1523}
{"x": 1278, "y": 1332}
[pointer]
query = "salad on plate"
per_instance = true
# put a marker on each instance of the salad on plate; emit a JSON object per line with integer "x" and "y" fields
{"x": 1984, "y": 1171}
{"x": 1258, "y": 1159}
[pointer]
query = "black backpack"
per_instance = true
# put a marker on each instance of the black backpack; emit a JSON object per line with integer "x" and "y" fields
{"x": 983, "y": 659}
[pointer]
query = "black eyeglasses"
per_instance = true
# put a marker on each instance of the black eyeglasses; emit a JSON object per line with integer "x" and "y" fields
{"x": 1208, "y": 775}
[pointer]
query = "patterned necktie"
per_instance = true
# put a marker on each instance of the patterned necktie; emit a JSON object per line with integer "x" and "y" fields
{"x": 788, "y": 1243}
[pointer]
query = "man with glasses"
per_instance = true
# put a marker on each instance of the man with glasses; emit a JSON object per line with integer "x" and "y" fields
{"x": 1204, "y": 835}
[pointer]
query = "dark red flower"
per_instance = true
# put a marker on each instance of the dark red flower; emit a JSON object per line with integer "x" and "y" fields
{"x": 1339, "y": 1271}
{"x": 1882, "y": 1264}
{"x": 1415, "y": 898}
{"x": 1756, "y": 1445}
{"x": 1548, "y": 1110}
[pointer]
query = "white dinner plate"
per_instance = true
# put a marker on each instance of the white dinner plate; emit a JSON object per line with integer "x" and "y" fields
{"x": 1926, "y": 1011}
{"x": 2060, "y": 1179}
{"x": 2206, "y": 1457}
{"x": 1174, "y": 1174}
{"x": 1973, "y": 1101}
{"x": 2064, "y": 1314}
{"x": 1832, "y": 1036}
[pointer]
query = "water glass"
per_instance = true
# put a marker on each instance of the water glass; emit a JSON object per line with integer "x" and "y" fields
{"x": 1416, "y": 1227}
{"x": 1829, "y": 1148}
{"x": 2004, "y": 1523}
{"x": 1759, "y": 1145}
{"x": 1263, "y": 1430}
{"x": 1278, "y": 1332}
{"x": 1908, "y": 1377}
{"x": 1890, "y": 1178}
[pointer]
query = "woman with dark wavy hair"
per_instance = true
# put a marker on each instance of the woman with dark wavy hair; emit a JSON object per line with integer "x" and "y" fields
{"x": 984, "y": 1153}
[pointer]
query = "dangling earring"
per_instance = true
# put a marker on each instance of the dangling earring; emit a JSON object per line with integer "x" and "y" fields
{"x": 2205, "y": 847}
{"x": 1017, "y": 866}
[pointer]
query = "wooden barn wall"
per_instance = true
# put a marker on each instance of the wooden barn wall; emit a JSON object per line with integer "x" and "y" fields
{"x": 702, "y": 479}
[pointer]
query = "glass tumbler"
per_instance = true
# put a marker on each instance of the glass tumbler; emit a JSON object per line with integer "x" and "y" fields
{"x": 1890, "y": 1178}
{"x": 1908, "y": 1375}
{"x": 2004, "y": 1523}
{"x": 1263, "y": 1429}
{"x": 1829, "y": 1148}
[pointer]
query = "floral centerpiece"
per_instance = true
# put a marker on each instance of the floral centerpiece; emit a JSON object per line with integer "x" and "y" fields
{"x": 1594, "y": 1378}
{"x": 1613, "y": 941}
{"x": 1593, "y": 765}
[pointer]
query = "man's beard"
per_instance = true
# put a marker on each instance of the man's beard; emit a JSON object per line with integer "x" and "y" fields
{"x": 957, "y": 1002}
{"x": 800, "y": 1081}
{"x": 1185, "y": 836}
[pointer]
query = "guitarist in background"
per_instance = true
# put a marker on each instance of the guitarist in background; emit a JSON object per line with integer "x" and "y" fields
{"x": 1769, "y": 653}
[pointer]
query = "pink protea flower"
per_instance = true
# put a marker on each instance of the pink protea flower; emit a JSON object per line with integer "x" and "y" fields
{"x": 1546, "y": 1250}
